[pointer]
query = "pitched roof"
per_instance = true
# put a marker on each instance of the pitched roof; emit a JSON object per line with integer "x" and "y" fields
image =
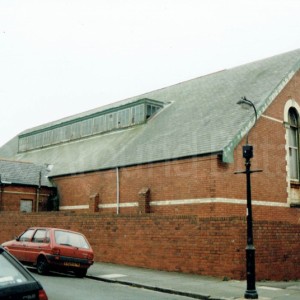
{"x": 199, "y": 117}
{"x": 14, "y": 172}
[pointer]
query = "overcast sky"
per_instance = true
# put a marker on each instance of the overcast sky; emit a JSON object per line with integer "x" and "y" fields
{"x": 62, "y": 57}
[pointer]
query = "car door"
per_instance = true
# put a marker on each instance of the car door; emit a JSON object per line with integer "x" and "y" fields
{"x": 19, "y": 246}
{"x": 39, "y": 243}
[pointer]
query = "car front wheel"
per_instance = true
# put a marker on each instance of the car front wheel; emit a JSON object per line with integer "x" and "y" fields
{"x": 42, "y": 266}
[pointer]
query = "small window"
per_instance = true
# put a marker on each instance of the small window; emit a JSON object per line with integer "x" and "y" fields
{"x": 26, "y": 205}
{"x": 39, "y": 236}
{"x": 293, "y": 144}
{"x": 26, "y": 236}
{"x": 151, "y": 110}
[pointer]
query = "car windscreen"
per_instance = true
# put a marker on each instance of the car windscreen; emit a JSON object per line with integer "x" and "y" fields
{"x": 70, "y": 239}
{"x": 9, "y": 274}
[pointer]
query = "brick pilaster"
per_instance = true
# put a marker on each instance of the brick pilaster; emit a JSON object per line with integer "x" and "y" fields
{"x": 94, "y": 203}
{"x": 144, "y": 201}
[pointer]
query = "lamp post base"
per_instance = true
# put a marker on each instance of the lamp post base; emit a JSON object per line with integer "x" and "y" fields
{"x": 251, "y": 294}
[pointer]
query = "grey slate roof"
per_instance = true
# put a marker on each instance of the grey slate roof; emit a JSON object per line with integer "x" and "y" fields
{"x": 14, "y": 172}
{"x": 200, "y": 117}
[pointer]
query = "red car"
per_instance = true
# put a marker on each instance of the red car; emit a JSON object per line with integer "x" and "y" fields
{"x": 53, "y": 249}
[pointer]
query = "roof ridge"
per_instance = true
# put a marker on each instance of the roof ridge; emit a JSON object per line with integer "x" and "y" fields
{"x": 18, "y": 161}
{"x": 21, "y": 162}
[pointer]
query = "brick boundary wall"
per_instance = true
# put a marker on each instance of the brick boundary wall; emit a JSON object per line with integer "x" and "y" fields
{"x": 189, "y": 244}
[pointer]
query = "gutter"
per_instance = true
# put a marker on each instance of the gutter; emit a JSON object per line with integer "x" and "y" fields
{"x": 2, "y": 185}
{"x": 38, "y": 192}
{"x": 217, "y": 153}
{"x": 118, "y": 190}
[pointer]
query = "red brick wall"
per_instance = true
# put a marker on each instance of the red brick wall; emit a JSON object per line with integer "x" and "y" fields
{"x": 170, "y": 181}
{"x": 184, "y": 179}
{"x": 190, "y": 244}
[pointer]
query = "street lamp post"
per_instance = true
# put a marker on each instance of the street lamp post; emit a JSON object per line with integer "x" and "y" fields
{"x": 251, "y": 292}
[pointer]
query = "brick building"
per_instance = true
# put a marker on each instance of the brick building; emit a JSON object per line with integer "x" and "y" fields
{"x": 24, "y": 187}
{"x": 174, "y": 151}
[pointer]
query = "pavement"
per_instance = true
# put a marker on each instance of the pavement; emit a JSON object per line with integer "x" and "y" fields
{"x": 190, "y": 285}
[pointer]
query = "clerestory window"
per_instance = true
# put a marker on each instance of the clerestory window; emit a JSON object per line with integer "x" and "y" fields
{"x": 116, "y": 118}
{"x": 293, "y": 144}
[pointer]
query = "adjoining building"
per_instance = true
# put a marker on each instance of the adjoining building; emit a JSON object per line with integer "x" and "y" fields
{"x": 174, "y": 152}
{"x": 25, "y": 187}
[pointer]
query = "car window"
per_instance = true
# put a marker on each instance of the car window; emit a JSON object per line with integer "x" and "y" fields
{"x": 26, "y": 236}
{"x": 9, "y": 274}
{"x": 40, "y": 236}
{"x": 70, "y": 239}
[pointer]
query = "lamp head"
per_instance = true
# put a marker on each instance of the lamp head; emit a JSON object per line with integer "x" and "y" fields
{"x": 245, "y": 103}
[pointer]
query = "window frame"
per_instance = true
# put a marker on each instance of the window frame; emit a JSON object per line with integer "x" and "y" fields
{"x": 293, "y": 140}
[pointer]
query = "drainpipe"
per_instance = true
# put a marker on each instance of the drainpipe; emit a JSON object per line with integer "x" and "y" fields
{"x": 118, "y": 190}
{"x": 38, "y": 192}
{"x": 1, "y": 191}
{"x": 2, "y": 186}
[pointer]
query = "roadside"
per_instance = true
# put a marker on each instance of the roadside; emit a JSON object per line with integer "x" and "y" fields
{"x": 194, "y": 286}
